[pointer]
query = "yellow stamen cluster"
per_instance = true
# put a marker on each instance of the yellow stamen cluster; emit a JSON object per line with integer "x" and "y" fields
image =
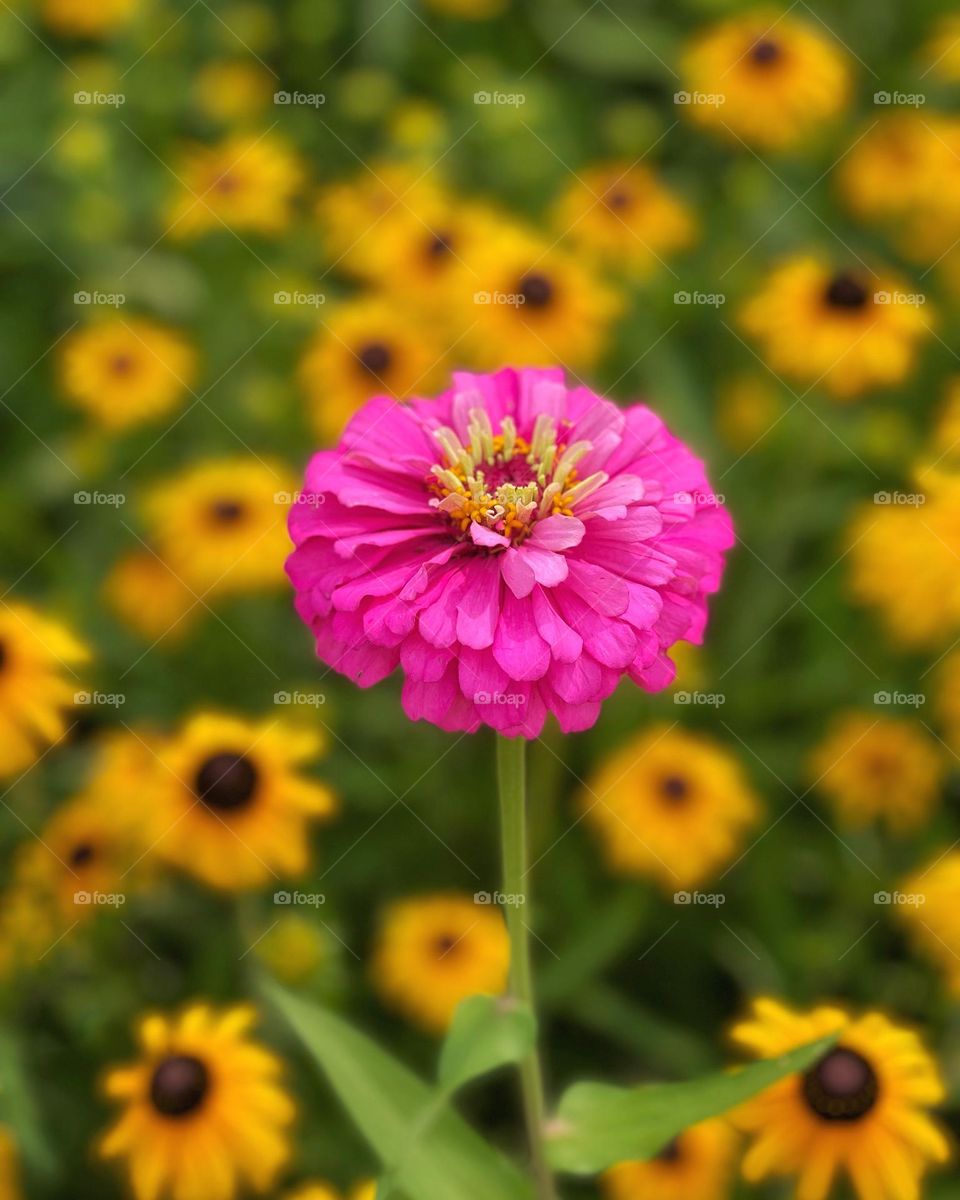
{"x": 543, "y": 478}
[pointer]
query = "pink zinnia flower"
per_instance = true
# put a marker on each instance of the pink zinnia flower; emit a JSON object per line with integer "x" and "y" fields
{"x": 516, "y": 546}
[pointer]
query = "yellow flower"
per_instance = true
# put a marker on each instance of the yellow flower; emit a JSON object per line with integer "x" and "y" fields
{"x": 879, "y": 767}
{"x": 124, "y": 371}
{"x": 221, "y": 524}
{"x": 349, "y": 212}
{"x": 9, "y": 1167}
{"x": 87, "y": 18}
{"x": 149, "y": 598}
{"x": 519, "y": 300}
{"x": 203, "y": 1110}
{"x": 860, "y": 1111}
{"x": 764, "y": 77}
{"x": 624, "y": 216}
{"x": 843, "y": 329}
{"x": 313, "y": 1191}
{"x": 670, "y": 805}
{"x": 36, "y": 655}
{"x": 904, "y": 561}
{"x": 246, "y": 182}
{"x": 231, "y": 806}
{"x": 433, "y": 951}
{"x": 931, "y": 911}
{"x": 903, "y": 173}
{"x": 366, "y": 1190}
{"x": 697, "y": 1165}
{"x": 234, "y": 90}
{"x": 369, "y": 346}
{"x": 470, "y": 10}
{"x": 747, "y": 408}
{"x": 292, "y": 948}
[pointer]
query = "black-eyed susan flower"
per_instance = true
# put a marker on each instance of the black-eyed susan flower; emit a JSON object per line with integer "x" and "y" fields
{"x": 846, "y": 330}
{"x": 524, "y": 301}
{"x": 124, "y": 371}
{"x": 904, "y": 564}
{"x": 37, "y": 683}
{"x": 878, "y": 767}
{"x": 670, "y": 805}
{"x": 220, "y": 524}
{"x": 149, "y": 598}
{"x": 87, "y": 18}
{"x": 246, "y": 182}
{"x": 765, "y": 77}
{"x": 232, "y": 806}
{"x": 625, "y": 216}
{"x": 699, "y": 1163}
{"x": 234, "y": 90}
{"x": 860, "y": 1112}
{"x": 350, "y": 212}
{"x": 931, "y": 913}
{"x": 203, "y": 1110}
{"x": 433, "y": 951}
{"x": 368, "y": 347}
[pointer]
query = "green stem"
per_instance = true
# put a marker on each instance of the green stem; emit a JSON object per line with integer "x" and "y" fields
{"x": 511, "y": 775}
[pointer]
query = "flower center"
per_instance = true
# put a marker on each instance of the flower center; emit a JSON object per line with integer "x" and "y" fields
{"x": 617, "y": 199}
{"x": 439, "y": 245}
{"x": 121, "y": 365}
{"x": 226, "y": 512}
{"x": 444, "y": 944}
{"x": 375, "y": 358}
{"x": 536, "y": 290}
{"x": 674, "y": 789}
{"x": 226, "y": 781}
{"x": 841, "y": 1087}
{"x": 671, "y": 1152}
{"x": 764, "y": 52}
{"x": 504, "y": 482}
{"x": 846, "y": 291}
{"x": 226, "y": 184}
{"x": 179, "y": 1085}
{"x": 81, "y": 854}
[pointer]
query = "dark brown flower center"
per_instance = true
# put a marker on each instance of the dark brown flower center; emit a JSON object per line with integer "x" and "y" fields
{"x": 226, "y": 184}
{"x": 846, "y": 291}
{"x": 764, "y": 52}
{"x": 842, "y": 1086}
{"x": 674, "y": 789}
{"x": 444, "y": 944}
{"x": 121, "y": 364}
{"x": 226, "y": 512}
{"x": 439, "y": 245}
{"x": 671, "y": 1153}
{"x": 179, "y": 1085}
{"x": 536, "y": 290}
{"x": 617, "y": 199}
{"x": 226, "y": 781}
{"x": 82, "y": 853}
{"x": 375, "y": 357}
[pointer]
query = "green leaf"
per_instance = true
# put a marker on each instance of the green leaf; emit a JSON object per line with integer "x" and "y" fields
{"x": 434, "y": 1159}
{"x": 598, "y": 1125}
{"x": 487, "y": 1032}
{"x": 18, "y": 1109}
